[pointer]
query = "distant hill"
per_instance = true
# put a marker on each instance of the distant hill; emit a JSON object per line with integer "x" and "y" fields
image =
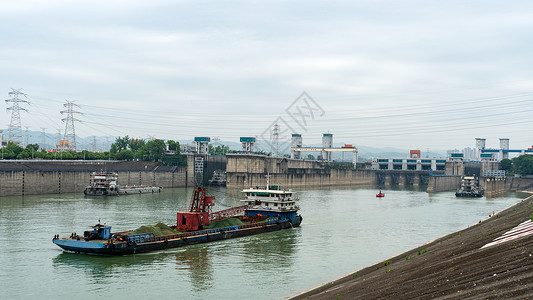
{"x": 102, "y": 143}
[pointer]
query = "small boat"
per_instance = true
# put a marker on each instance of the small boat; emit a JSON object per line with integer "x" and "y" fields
{"x": 469, "y": 188}
{"x": 105, "y": 184}
{"x": 380, "y": 194}
{"x": 267, "y": 210}
{"x": 218, "y": 178}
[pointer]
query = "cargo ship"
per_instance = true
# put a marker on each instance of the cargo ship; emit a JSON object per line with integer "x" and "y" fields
{"x": 105, "y": 184}
{"x": 469, "y": 188}
{"x": 265, "y": 210}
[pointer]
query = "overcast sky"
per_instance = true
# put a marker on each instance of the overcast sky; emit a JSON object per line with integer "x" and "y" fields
{"x": 404, "y": 74}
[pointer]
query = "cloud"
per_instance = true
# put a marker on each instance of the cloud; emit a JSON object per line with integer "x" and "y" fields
{"x": 215, "y": 60}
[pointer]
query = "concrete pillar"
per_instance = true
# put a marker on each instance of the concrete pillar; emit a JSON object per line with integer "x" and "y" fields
{"x": 404, "y": 164}
{"x": 402, "y": 179}
{"x": 388, "y": 179}
{"x": 416, "y": 180}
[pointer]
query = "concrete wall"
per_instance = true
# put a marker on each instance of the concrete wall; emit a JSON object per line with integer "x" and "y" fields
{"x": 250, "y": 170}
{"x": 324, "y": 178}
{"x": 517, "y": 184}
{"x": 443, "y": 183}
{"x": 454, "y": 168}
{"x": 493, "y": 187}
{"x": 31, "y": 182}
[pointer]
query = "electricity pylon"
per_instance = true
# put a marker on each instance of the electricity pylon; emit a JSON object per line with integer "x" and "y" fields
{"x": 15, "y": 128}
{"x": 70, "y": 133}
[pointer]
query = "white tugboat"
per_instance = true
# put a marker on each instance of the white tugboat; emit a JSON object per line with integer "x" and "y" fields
{"x": 105, "y": 184}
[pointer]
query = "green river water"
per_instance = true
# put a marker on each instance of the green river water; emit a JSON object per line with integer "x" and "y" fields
{"x": 343, "y": 229}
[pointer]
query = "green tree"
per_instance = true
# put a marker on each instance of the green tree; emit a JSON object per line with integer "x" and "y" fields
{"x": 13, "y": 148}
{"x": 66, "y": 155}
{"x": 114, "y": 148}
{"x": 172, "y": 145}
{"x": 136, "y": 144}
{"x": 175, "y": 159}
{"x": 35, "y": 147}
{"x": 122, "y": 143}
{"x": 23, "y": 155}
{"x": 507, "y": 165}
{"x": 523, "y": 164}
{"x": 218, "y": 150}
{"x": 105, "y": 155}
{"x": 154, "y": 150}
{"x": 90, "y": 155}
{"x": 125, "y": 155}
{"x": 310, "y": 157}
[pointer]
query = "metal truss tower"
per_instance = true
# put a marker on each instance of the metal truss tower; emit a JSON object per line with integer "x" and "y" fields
{"x": 43, "y": 138}
{"x": 70, "y": 133}
{"x": 274, "y": 135}
{"x": 15, "y": 128}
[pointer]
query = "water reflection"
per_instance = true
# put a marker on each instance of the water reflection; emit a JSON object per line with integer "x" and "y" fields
{"x": 273, "y": 251}
{"x": 99, "y": 268}
{"x": 199, "y": 266}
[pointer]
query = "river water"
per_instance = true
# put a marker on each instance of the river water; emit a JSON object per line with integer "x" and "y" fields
{"x": 343, "y": 229}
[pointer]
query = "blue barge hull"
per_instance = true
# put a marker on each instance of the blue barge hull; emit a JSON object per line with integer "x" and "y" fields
{"x": 148, "y": 242}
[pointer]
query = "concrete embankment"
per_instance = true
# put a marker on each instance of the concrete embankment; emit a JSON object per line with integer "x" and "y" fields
{"x": 453, "y": 266}
{"x": 57, "y": 177}
{"x": 250, "y": 170}
{"x": 443, "y": 183}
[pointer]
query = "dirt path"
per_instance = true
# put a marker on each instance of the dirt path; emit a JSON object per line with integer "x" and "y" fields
{"x": 453, "y": 266}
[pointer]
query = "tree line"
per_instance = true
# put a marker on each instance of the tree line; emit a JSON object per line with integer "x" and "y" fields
{"x": 522, "y": 165}
{"x": 124, "y": 148}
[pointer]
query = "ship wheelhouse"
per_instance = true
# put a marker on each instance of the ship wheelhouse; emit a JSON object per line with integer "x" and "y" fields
{"x": 270, "y": 201}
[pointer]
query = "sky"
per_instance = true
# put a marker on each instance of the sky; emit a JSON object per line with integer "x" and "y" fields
{"x": 404, "y": 74}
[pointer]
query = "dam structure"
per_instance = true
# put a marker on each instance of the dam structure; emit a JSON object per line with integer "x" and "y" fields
{"x": 247, "y": 169}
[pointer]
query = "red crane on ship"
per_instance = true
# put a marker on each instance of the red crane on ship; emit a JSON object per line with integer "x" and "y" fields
{"x": 200, "y": 215}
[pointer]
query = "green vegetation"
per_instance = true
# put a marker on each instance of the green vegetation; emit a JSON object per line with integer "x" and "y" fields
{"x": 219, "y": 150}
{"x": 386, "y": 263}
{"x": 507, "y": 165}
{"x": 531, "y": 217}
{"x": 408, "y": 257}
{"x": 31, "y": 151}
{"x": 522, "y": 165}
{"x": 420, "y": 252}
{"x": 124, "y": 148}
